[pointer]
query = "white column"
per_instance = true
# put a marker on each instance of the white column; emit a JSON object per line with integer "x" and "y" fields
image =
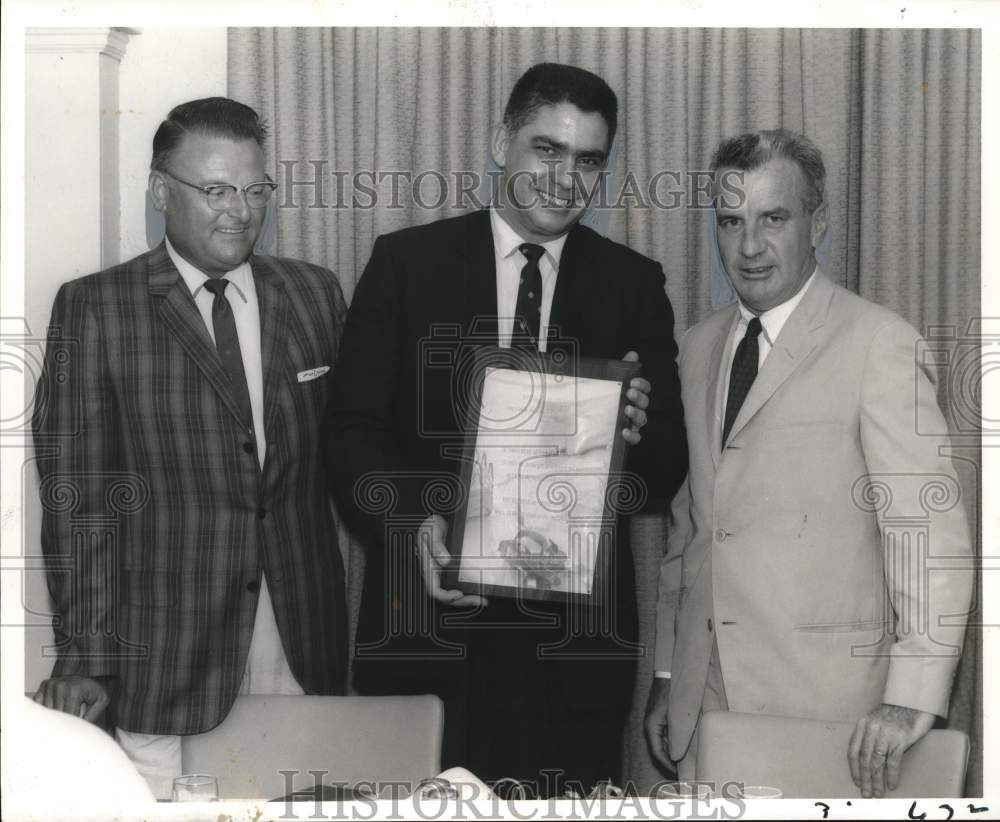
{"x": 90, "y": 118}
{"x": 71, "y": 156}
{"x": 151, "y": 85}
{"x": 71, "y": 174}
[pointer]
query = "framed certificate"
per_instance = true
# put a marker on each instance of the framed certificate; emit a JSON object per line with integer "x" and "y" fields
{"x": 542, "y": 473}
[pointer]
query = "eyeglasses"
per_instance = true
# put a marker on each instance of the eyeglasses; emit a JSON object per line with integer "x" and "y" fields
{"x": 220, "y": 196}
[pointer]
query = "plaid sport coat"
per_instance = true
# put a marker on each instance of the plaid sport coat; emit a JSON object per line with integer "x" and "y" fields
{"x": 157, "y": 519}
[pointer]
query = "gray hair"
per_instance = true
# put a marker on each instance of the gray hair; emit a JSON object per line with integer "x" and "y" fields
{"x": 751, "y": 151}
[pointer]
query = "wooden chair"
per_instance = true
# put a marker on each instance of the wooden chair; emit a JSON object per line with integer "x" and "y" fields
{"x": 352, "y": 739}
{"x": 807, "y": 758}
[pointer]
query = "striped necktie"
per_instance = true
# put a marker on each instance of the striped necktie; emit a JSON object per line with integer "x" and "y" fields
{"x": 528, "y": 314}
{"x": 228, "y": 344}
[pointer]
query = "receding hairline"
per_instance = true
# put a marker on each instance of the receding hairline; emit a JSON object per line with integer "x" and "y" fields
{"x": 800, "y": 175}
{"x": 198, "y": 132}
{"x": 754, "y": 150}
{"x": 220, "y": 117}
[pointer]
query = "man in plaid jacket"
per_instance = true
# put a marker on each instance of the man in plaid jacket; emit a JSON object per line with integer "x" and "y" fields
{"x": 186, "y": 518}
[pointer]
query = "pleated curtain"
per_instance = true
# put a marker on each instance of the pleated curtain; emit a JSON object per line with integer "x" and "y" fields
{"x": 895, "y": 112}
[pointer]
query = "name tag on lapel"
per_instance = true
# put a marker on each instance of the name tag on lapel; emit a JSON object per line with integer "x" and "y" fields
{"x": 313, "y": 373}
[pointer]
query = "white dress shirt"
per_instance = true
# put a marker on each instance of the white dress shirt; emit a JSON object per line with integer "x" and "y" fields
{"x": 242, "y": 296}
{"x": 771, "y": 321}
{"x": 509, "y": 262}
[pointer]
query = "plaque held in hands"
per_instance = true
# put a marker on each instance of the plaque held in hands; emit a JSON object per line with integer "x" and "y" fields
{"x": 542, "y": 471}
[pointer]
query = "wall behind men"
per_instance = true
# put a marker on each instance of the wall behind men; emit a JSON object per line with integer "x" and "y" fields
{"x": 160, "y": 68}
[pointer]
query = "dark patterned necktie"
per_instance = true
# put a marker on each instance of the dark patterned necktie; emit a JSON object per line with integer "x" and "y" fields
{"x": 528, "y": 314}
{"x": 743, "y": 374}
{"x": 228, "y": 343}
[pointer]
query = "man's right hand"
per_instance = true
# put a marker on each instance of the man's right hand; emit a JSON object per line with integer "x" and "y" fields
{"x": 80, "y": 696}
{"x": 434, "y": 557}
{"x": 655, "y": 725}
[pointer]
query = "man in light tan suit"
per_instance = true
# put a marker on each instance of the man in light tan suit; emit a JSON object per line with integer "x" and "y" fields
{"x": 784, "y": 589}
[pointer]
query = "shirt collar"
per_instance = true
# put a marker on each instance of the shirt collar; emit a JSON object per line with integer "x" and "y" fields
{"x": 507, "y": 241}
{"x": 241, "y": 277}
{"x": 774, "y": 319}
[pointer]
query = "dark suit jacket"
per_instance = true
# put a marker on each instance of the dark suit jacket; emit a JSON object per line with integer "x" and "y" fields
{"x": 157, "y": 520}
{"x": 397, "y": 408}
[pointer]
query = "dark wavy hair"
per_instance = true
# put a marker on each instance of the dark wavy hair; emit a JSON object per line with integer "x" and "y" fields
{"x": 554, "y": 83}
{"x": 214, "y": 116}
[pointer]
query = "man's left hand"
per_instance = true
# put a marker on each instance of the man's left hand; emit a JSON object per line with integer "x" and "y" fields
{"x": 877, "y": 745}
{"x": 638, "y": 397}
{"x": 81, "y": 696}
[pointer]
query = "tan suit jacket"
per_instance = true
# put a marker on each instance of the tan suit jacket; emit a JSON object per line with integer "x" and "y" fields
{"x": 809, "y": 546}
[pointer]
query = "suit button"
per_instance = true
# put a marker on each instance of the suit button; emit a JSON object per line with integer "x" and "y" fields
{"x": 253, "y": 586}
{"x": 710, "y": 625}
{"x": 249, "y": 447}
{"x": 261, "y": 513}
{"x": 720, "y": 535}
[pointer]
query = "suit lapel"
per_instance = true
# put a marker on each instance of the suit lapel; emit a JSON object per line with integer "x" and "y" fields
{"x": 575, "y": 269}
{"x": 798, "y": 338}
{"x": 715, "y": 404}
{"x": 479, "y": 279}
{"x": 273, "y": 303}
{"x": 567, "y": 263}
{"x": 180, "y": 315}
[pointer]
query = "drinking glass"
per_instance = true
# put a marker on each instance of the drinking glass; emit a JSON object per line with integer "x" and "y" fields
{"x": 683, "y": 790}
{"x": 761, "y": 792}
{"x": 195, "y": 787}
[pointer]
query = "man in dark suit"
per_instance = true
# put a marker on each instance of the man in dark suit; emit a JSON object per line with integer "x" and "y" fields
{"x": 183, "y": 392}
{"x": 524, "y": 692}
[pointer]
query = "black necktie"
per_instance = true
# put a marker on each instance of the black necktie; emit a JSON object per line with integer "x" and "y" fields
{"x": 742, "y": 375}
{"x": 528, "y": 314}
{"x": 228, "y": 343}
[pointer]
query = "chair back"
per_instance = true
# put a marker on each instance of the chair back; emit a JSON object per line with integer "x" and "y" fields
{"x": 350, "y": 739}
{"x": 808, "y": 757}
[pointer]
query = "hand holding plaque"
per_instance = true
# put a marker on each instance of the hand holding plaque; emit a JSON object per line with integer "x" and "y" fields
{"x": 434, "y": 558}
{"x": 638, "y": 396}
